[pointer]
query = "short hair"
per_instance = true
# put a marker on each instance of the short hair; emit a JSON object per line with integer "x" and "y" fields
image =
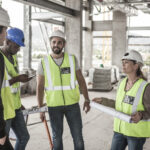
{"x": 1, "y": 29}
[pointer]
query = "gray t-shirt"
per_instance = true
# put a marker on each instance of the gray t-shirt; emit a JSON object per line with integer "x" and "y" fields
{"x": 58, "y": 61}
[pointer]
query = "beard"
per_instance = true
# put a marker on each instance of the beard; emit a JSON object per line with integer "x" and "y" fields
{"x": 57, "y": 50}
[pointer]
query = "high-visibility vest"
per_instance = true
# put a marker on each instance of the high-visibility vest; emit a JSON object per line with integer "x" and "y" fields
{"x": 15, "y": 88}
{"x": 6, "y": 95}
{"x": 61, "y": 87}
{"x": 130, "y": 102}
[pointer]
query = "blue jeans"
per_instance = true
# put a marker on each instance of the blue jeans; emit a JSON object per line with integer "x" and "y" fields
{"x": 18, "y": 125}
{"x": 120, "y": 141}
{"x": 73, "y": 116}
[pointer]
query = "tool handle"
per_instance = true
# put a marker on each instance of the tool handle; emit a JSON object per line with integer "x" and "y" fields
{"x": 48, "y": 134}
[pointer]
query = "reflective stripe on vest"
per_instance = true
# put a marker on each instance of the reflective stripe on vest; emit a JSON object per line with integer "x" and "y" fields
{"x": 8, "y": 102}
{"x": 137, "y": 99}
{"x": 72, "y": 72}
{"x": 6, "y": 82}
{"x": 13, "y": 89}
{"x": 57, "y": 88}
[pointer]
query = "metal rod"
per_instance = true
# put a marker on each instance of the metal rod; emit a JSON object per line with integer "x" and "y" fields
{"x": 48, "y": 134}
{"x": 112, "y": 3}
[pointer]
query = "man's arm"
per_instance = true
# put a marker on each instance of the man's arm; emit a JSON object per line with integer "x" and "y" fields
{"x": 40, "y": 90}
{"x": 20, "y": 78}
{"x": 105, "y": 101}
{"x": 83, "y": 89}
{"x": 2, "y": 121}
{"x": 40, "y": 93}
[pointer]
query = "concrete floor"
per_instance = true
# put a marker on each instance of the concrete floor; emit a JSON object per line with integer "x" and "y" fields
{"x": 97, "y": 127}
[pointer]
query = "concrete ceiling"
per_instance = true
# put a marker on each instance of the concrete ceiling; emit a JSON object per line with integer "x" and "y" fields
{"x": 143, "y": 5}
{"x": 56, "y": 6}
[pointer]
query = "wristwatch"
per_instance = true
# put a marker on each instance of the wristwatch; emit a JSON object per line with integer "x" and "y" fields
{"x": 87, "y": 100}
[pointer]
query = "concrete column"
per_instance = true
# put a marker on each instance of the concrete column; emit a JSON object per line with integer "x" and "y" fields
{"x": 119, "y": 37}
{"x": 87, "y": 40}
{"x": 28, "y": 38}
{"x": 73, "y": 29}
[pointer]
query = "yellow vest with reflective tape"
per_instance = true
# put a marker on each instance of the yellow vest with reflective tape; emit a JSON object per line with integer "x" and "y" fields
{"x": 15, "y": 88}
{"x": 6, "y": 95}
{"x": 61, "y": 86}
{"x": 130, "y": 102}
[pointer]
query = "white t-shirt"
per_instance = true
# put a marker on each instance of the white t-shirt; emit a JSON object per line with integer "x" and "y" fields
{"x": 58, "y": 61}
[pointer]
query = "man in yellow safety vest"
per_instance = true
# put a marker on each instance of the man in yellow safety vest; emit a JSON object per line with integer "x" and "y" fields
{"x": 14, "y": 40}
{"x": 4, "y": 23}
{"x": 59, "y": 75}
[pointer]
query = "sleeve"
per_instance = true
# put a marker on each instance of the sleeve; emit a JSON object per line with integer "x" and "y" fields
{"x": 2, "y": 121}
{"x": 146, "y": 103}
{"x": 40, "y": 70}
{"x": 76, "y": 63}
{"x": 108, "y": 102}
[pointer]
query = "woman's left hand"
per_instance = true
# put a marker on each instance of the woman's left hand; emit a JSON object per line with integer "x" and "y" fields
{"x": 136, "y": 117}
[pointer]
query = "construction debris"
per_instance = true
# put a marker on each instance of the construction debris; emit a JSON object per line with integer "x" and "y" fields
{"x": 100, "y": 79}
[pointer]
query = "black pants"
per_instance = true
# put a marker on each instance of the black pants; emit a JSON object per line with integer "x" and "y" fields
{"x": 6, "y": 146}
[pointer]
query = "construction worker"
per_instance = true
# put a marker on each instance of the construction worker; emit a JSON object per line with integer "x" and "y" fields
{"x": 4, "y": 141}
{"x": 14, "y": 40}
{"x": 58, "y": 73}
{"x": 132, "y": 99}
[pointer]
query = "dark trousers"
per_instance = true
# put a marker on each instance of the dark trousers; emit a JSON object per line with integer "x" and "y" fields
{"x": 19, "y": 127}
{"x": 73, "y": 116}
{"x": 6, "y": 146}
{"x": 120, "y": 142}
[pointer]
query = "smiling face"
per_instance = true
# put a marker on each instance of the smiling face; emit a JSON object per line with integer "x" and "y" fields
{"x": 3, "y": 35}
{"x": 128, "y": 66}
{"x": 57, "y": 45}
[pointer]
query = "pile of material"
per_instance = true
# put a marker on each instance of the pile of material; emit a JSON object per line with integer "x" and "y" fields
{"x": 100, "y": 79}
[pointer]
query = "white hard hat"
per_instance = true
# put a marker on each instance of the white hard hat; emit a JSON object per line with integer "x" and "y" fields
{"x": 58, "y": 33}
{"x": 133, "y": 55}
{"x": 4, "y": 18}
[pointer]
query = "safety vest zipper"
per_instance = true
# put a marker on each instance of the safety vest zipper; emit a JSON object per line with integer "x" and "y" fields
{"x": 62, "y": 87}
{"x": 122, "y": 110}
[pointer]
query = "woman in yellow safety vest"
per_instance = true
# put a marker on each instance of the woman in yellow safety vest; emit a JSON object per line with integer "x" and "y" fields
{"x": 132, "y": 99}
